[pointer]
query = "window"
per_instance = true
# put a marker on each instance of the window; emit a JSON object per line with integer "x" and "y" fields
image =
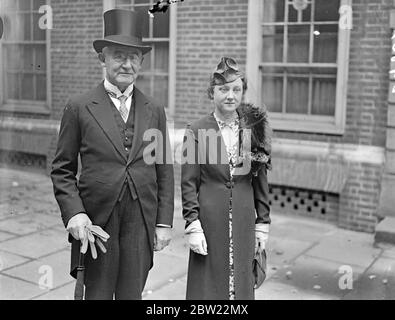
{"x": 23, "y": 52}
{"x": 156, "y": 77}
{"x": 300, "y": 63}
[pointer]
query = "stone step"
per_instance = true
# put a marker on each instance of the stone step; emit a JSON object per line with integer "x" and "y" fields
{"x": 385, "y": 231}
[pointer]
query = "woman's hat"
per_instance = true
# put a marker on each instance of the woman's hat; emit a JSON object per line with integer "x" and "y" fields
{"x": 226, "y": 71}
{"x": 122, "y": 27}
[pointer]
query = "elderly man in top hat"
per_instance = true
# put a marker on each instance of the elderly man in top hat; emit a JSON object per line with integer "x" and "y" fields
{"x": 131, "y": 199}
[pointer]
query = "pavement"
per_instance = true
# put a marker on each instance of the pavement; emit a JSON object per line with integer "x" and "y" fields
{"x": 307, "y": 259}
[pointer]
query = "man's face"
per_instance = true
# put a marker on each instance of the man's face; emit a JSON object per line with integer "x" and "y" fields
{"x": 122, "y": 64}
{"x": 228, "y": 97}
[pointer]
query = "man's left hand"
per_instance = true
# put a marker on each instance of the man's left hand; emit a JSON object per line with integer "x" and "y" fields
{"x": 162, "y": 238}
{"x": 261, "y": 236}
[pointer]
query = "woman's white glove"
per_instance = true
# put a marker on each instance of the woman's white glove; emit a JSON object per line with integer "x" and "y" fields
{"x": 261, "y": 236}
{"x": 196, "y": 239}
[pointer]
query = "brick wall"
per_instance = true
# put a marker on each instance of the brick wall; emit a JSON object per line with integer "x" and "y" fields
{"x": 359, "y": 199}
{"x": 206, "y": 31}
{"x": 74, "y": 65}
{"x": 75, "y": 68}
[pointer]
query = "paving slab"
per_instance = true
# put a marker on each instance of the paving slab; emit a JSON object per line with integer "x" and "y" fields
{"x": 6, "y": 236}
{"x": 178, "y": 247}
{"x": 301, "y": 230}
{"x": 12, "y": 208}
{"x": 166, "y": 268}
{"x": 274, "y": 290}
{"x": 22, "y": 176}
{"x": 14, "y": 289}
{"x": 352, "y": 248}
{"x": 175, "y": 290}
{"x": 8, "y": 260}
{"x": 37, "y": 244}
{"x": 53, "y": 268}
{"x": 65, "y": 292}
{"x": 8, "y": 210}
{"x": 314, "y": 274}
{"x": 378, "y": 282}
{"x": 283, "y": 250}
{"x": 28, "y": 223}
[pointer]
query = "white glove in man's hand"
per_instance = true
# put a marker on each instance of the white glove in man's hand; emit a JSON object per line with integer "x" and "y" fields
{"x": 261, "y": 236}
{"x": 76, "y": 226}
{"x": 196, "y": 239}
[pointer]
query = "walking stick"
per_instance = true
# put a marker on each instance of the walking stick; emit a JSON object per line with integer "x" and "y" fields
{"x": 79, "y": 286}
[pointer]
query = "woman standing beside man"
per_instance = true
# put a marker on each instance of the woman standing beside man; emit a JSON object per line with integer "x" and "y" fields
{"x": 226, "y": 208}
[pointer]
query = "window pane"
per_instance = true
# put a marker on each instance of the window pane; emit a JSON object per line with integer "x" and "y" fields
{"x": 146, "y": 66}
{"x": 325, "y": 43}
{"x": 297, "y": 95}
{"x": 27, "y": 25}
{"x": 161, "y": 25}
{"x": 27, "y": 87}
{"x": 143, "y": 1}
{"x": 324, "y": 96}
{"x": 298, "y": 43}
{"x": 295, "y": 16}
{"x": 326, "y": 10}
{"x": 38, "y": 33}
{"x": 24, "y": 5}
{"x": 13, "y": 57}
{"x": 27, "y": 54}
{"x": 17, "y": 27}
{"x": 123, "y": 2}
{"x": 12, "y": 85}
{"x": 162, "y": 56}
{"x": 272, "y": 92}
{"x": 9, "y": 5}
{"x": 144, "y": 84}
{"x": 37, "y": 4}
{"x": 41, "y": 61}
{"x": 41, "y": 84}
{"x": 273, "y": 11}
{"x": 161, "y": 89}
{"x": 145, "y": 22}
{"x": 272, "y": 44}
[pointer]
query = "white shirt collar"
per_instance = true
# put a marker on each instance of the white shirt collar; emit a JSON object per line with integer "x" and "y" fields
{"x": 110, "y": 87}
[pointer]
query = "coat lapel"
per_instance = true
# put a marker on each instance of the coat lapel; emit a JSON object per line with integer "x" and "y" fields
{"x": 100, "y": 108}
{"x": 142, "y": 120}
{"x": 221, "y": 148}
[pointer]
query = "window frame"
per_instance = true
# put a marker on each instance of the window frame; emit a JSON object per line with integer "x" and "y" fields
{"x": 297, "y": 122}
{"x": 27, "y": 106}
{"x": 170, "y": 107}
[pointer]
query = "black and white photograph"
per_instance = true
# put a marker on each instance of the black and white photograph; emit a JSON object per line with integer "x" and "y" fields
{"x": 197, "y": 150}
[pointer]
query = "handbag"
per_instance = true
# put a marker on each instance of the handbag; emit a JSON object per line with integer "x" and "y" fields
{"x": 259, "y": 268}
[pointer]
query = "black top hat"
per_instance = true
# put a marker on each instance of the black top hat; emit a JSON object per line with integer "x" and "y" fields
{"x": 122, "y": 27}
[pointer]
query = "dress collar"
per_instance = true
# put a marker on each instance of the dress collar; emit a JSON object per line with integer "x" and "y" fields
{"x": 234, "y": 124}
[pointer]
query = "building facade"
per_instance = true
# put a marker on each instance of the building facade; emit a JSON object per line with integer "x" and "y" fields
{"x": 320, "y": 67}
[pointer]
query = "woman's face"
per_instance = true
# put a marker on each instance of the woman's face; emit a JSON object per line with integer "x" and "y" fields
{"x": 227, "y": 97}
